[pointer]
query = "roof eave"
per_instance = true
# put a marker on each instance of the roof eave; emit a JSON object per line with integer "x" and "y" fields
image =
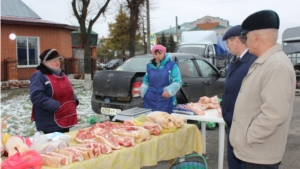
{"x": 19, "y": 22}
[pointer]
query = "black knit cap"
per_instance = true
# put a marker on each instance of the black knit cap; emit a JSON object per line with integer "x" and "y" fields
{"x": 264, "y": 19}
{"x": 49, "y": 54}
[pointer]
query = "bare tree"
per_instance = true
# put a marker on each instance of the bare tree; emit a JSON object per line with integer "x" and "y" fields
{"x": 82, "y": 9}
{"x": 134, "y": 7}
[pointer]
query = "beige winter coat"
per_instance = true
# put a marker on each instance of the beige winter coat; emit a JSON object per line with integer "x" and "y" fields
{"x": 263, "y": 109}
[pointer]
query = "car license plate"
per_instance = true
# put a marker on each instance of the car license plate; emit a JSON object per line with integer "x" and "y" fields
{"x": 105, "y": 110}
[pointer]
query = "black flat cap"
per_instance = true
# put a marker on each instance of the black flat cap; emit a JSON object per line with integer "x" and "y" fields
{"x": 233, "y": 31}
{"x": 264, "y": 19}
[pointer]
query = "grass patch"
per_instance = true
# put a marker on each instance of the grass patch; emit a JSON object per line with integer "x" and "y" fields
{"x": 12, "y": 94}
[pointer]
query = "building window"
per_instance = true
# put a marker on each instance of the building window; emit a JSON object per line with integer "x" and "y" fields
{"x": 27, "y": 51}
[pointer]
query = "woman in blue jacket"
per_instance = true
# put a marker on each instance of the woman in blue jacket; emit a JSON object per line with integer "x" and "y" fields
{"x": 52, "y": 96}
{"x": 161, "y": 82}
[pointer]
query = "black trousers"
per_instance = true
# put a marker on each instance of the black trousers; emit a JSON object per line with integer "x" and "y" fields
{"x": 233, "y": 162}
{"x": 260, "y": 166}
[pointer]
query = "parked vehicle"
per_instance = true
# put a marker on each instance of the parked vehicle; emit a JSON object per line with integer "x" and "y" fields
{"x": 100, "y": 66}
{"x": 297, "y": 85}
{"x": 117, "y": 90}
{"x": 113, "y": 64}
{"x": 291, "y": 46}
{"x": 206, "y": 44}
{"x": 297, "y": 70}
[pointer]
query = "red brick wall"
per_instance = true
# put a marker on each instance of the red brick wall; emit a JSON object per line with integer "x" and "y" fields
{"x": 25, "y": 73}
{"x": 50, "y": 37}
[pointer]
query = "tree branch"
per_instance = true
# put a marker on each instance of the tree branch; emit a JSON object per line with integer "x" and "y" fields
{"x": 102, "y": 10}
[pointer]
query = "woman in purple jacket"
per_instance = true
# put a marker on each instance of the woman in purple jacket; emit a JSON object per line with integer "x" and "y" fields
{"x": 52, "y": 96}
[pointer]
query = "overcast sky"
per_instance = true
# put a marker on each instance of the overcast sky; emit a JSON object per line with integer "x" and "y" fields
{"x": 163, "y": 12}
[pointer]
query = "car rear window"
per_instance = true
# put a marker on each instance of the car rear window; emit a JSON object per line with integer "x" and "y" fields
{"x": 135, "y": 64}
{"x": 113, "y": 61}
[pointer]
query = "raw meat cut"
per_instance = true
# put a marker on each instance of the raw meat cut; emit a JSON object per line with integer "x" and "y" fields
{"x": 196, "y": 108}
{"x": 94, "y": 145}
{"x": 105, "y": 125}
{"x": 206, "y": 100}
{"x": 83, "y": 134}
{"x": 129, "y": 123}
{"x": 154, "y": 128}
{"x": 138, "y": 133}
{"x": 106, "y": 137}
{"x": 125, "y": 141}
{"x": 53, "y": 159}
{"x": 105, "y": 149}
{"x": 72, "y": 153}
{"x": 87, "y": 153}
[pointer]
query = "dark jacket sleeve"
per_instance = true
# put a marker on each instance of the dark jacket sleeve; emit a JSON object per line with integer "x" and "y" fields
{"x": 40, "y": 93}
{"x": 76, "y": 99}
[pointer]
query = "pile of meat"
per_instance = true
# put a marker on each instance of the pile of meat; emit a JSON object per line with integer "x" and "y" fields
{"x": 157, "y": 121}
{"x": 205, "y": 103}
{"x": 48, "y": 151}
{"x": 114, "y": 135}
{"x": 101, "y": 138}
{"x": 86, "y": 150}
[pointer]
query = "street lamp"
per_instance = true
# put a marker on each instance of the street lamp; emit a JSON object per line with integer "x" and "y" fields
{"x": 12, "y": 36}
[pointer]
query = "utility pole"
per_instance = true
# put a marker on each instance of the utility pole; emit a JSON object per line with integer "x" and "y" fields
{"x": 144, "y": 37}
{"x": 176, "y": 30}
{"x": 148, "y": 27}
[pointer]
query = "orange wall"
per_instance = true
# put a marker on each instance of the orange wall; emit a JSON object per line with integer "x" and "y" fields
{"x": 207, "y": 26}
{"x": 50, "y": 37}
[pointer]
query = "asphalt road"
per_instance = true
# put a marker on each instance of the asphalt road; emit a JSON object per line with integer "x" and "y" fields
{"x": 290, "y": 160}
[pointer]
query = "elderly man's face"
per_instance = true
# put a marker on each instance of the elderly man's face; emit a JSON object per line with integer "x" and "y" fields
{"x": 250, "y": 42}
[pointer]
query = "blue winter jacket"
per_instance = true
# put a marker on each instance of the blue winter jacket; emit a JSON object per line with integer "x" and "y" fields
{"x": 44, "y": 106}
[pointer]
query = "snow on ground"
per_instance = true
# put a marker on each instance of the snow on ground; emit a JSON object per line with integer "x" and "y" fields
{"x": 17, "y": 104}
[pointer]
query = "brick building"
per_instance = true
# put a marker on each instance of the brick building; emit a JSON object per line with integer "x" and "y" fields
{"x": 24, "y": 35}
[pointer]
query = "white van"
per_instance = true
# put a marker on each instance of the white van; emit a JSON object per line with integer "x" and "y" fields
{"x": 291, "y": 46}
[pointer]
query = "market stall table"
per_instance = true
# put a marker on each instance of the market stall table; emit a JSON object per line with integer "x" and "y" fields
{"x": 166, "y": 146}
{"x": 210, "y": 116}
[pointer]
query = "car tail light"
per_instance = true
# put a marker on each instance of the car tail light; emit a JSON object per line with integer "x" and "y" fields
{"x": 136, "y": 89}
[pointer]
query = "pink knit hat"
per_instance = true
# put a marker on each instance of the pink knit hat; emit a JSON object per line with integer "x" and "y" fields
{"x": 159, "y": 47}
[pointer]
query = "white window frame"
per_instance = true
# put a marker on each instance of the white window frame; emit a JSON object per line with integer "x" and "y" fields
{"x": 38, "y": 51}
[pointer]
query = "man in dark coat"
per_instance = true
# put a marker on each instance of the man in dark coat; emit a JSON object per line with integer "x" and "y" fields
{"x": 237, "y": 70}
